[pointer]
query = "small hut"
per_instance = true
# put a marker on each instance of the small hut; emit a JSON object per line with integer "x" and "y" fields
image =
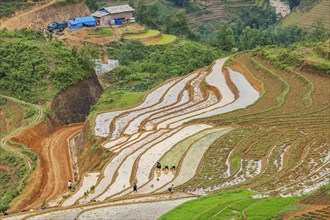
{"x": 113, "y": 14}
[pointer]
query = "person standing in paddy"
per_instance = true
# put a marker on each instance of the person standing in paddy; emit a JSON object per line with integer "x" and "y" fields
{"x": 170, "y": 189}
{"x": 70, "y": 185}
{"x": 159, "y": 166}
{"x": 135, "y": 188}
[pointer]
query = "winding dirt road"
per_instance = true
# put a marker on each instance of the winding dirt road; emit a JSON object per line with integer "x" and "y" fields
{"x": 5, "y": 141}
{"x": 54, "y": 168}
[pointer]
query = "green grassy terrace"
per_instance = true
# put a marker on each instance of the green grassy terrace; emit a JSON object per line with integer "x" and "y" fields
{"x": 231, "y": 205}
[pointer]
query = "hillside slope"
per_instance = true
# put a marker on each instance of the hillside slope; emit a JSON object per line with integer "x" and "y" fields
{"x": 261, "y": 124}
{"x": 49, "y": 75}
{"x": 307, "y": 18}
{"x": 45, "y": 13}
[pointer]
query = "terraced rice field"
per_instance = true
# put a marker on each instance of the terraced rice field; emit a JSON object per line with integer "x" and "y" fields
{"x": 151, "y": 37}
{"x": 165, "y": 39}
{"x": 248, "y": 126}
{"x": 282, "y": 143}
{"x": 306, "y": 19}
{"x": 142, "y": 135}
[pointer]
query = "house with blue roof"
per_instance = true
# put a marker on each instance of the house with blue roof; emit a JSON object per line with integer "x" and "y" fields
{"x": 113, "y": 14}
{"x": 87, "y": 21}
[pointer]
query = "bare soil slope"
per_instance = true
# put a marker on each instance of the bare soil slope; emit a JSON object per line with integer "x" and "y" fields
{"x": 53, "y": 167}
{"x": 47, "y": 13}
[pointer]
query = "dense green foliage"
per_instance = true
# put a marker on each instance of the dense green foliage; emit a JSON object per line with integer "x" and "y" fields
{"x": 178, "y": 25}
{"x": 230, "y": 204}
{"x": 13, "y": 175}
{"x": 144, "y": 67}
{"x": 34, "y": 70}
{"x": 181, "y": 3}
{"x": 225, "y": 38}
{"x": 313, "y": 55}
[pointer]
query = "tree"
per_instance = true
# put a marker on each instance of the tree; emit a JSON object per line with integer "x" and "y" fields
{"x": 140, "y": 12}
{"x": 288, "y": 35}
{"x": 318, "y": 32}
{"x": 293, "y": 3}
{"x": 252, "y": 38}
{"x": 181, "y": 3}
{"x": 92, "y": 5}
{"x": 225, "y": 38}
{"x": 152, "y": 16}
{"x": 131, "y": 3}
{"x": 178, "y": 24}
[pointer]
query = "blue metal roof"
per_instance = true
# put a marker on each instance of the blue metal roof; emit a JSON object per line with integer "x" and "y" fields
{"x": 86, "y": 19}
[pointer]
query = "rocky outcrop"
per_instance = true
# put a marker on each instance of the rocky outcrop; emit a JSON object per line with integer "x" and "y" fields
{"x": 281, "y": 8}
{"x": 73, "y": 104}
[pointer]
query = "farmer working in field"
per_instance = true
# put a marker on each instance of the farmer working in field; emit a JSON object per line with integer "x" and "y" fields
{"x": 135, "y": 188}
{"x": 158, "y": 166}
{"x": 70, "y": 185}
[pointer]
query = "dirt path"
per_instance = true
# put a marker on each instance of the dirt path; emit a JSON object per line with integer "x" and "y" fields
{"x": 10, "y": 23}
{"x": 54, "y": 168}
{"x": 5, "y": 141}
{"x": 5, "y": 119}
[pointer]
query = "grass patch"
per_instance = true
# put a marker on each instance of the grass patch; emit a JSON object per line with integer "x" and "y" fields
{"x": 195, "y": 209}
{"x": 115, "y": 100}
{"x": 149, "y": 33}
{"x": 235, "y": 162}
{"x": 100, "y": 32}
{"x": 166, "y": 39}
{"x": 270, "y": 207}
{"x": 230, "y": 204}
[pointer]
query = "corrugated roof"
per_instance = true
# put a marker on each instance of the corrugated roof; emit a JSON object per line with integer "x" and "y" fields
{"x": 82, "y": 20}
{"x": 119, "y": 9}
{"x": 99, "y": 14}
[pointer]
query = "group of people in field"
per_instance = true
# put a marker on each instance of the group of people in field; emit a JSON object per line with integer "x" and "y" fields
{"x": 166, "y": 168}
{"x": 158, "y": 168}
{"x": 71, "y": 187}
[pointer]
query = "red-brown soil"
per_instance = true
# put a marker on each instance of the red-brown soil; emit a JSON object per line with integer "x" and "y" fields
{"x": 46, "y": 13}
{"x": 54, "y": 167}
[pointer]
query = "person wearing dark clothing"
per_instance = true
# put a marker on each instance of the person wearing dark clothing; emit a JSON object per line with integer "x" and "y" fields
{"x": 135, "y": 188}
{"x": 170, "y": 189}
{"x": 158, "y": 166}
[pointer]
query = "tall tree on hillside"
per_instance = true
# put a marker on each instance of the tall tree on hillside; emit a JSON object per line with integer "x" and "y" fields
{"x": 140, "y": 11}
{"x": 181, "y": 3}
{"x": 178, "y": 25}
{"x": 152, "y": 16}
{"x": 92, "y": 4}
{"x": 318, "y": 32}
{"x": 293, "y": 3}
{"x": 252, "y": 38}
{"x": 131, "y": 3}
{"x": 225, "y": 38}
{"x": 287, "y": 35}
